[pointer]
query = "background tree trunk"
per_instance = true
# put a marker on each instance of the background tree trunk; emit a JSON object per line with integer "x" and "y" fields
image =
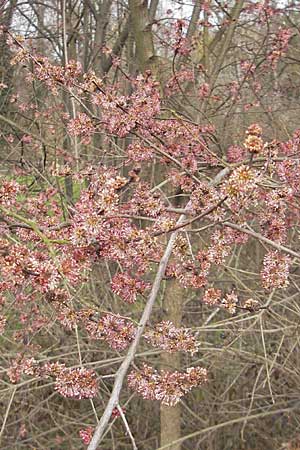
{"x": 6, "y": 70}
{"x": 170, "y": 416}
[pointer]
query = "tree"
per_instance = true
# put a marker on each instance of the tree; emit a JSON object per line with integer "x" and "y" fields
{"x": 146, "y": 208}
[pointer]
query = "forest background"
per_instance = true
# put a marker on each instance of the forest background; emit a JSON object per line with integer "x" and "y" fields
{"x": 149, "y": 219}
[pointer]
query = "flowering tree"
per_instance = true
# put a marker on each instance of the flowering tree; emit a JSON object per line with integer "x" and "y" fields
{"x": 144, "y": 213}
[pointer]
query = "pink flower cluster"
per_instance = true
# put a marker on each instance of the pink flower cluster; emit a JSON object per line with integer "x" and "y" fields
{"x": 221, "y": 245}
{"x": 204, "y": 90}
{"x": 9, "y": 189}
{"x": 86, "y": 435}
{"x": 36, "y": 269}
{"x": 279, "y": 46}
{"x": 121, "y": 114}
{"x": 57, "y": 75}
{"x": 22, "y": 365}
{"x": 117, "y": 331}
{"x": 213, "y": 297}
{"x": 273, "y": 220}
{"x": 240, "y": 187}
{"x": 253, "y": 142}
{"x": 188, "y": 274}
{"x": 66, "y": 315}
{"x": 204, "y": 197}
{"x": 236, "y": 153}
{"x": 181, "y": 45}
{"x": 101, "y": 197}
{"x": 82, "y": 125}
{"x": 128, "y": 288}
{"x": 175, "y": 82}
{"x": 230, "y": 302}
{"x": 180, "y": 247}
{"x": 138, "y": 152}
{"x": 146, "y": 203}
{"x": 76, "y": 383}
{"x": 275, "y": 270}
{"x": 117, "y": 413}
{"x": 289, "y": 172}
{"x": 292, "y": 146}
{"x": 167, "y": 387}
{"x": 167, "y": 337}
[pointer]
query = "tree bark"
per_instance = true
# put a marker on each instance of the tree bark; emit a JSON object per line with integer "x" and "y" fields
{"x": 170, "y": 416}
{"x": 141, "y": 26}
{"x": 6, "y": 70}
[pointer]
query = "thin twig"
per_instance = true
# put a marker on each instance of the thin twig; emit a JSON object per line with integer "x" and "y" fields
{"x": 7, "y": 411}
{"x": 260, "y": 237}
{"x": 127, "y": 427}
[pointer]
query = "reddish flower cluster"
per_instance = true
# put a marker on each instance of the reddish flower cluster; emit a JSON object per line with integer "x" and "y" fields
{"x": 181, "y": 45}
{"x": 101, "y": 197}
{"x": 180, "y": 247}
{"x": 275, "y": 270}
{"x": 248, "y": 67}
{"x": 82, "y": 126}
{"x": 76, "y": 383}
{"x": 66, "y": 315}
{"x": 114, "y": 329}
{"x": 86, "y": 435}
{"x": 36, "y": 269}
{"x": 273, "y": 218}
{"x": 264, "y": 9}
{"x": 167, "y": 337}
{"x": 53, "y": 75}
{"x": 117, "y": 413}
{"x": 289, "y": 172}
{"x": 235, "y": 153}
{"x": 204, "y": 90}
{"x": 240, "y": 187}
{"x": 229, "y": 302}
{"x": 137, "y": 152}
{"x": 146, "y": 203}
{"x": 221, "y": 245}
{"x": 279, "y": 46}
{"x": 9, "y": 190}
{"x": 188, "y": 274}
{"x": 127, "y": 287}
{"x": 167, "y": 387}
{"x": 292, "y": 146}
{"x": 22, "y": 365}
{"x": 251, "y": 304}
{"x": 204, "y": 197}
{"x": 213, "y": 297}
{"x": 253, "y": 142}
{"x": 175, "y": 82}
{"x": 44, "y": 70}
{"x": 121, "y": 114}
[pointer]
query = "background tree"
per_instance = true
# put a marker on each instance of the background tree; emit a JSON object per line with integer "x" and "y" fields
{"x": 149, "y": 219}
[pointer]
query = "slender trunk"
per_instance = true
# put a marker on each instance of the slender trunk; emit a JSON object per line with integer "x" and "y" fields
{"x": 141, "y": 27}
{"x": 6, "y": 70}
{"x": 170, "y": 416}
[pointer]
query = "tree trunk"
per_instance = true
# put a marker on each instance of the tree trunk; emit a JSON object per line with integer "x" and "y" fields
{"x": 141, "y": 27}
{"x": 6, "y": 70}
{"x": 170, "y": 416}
